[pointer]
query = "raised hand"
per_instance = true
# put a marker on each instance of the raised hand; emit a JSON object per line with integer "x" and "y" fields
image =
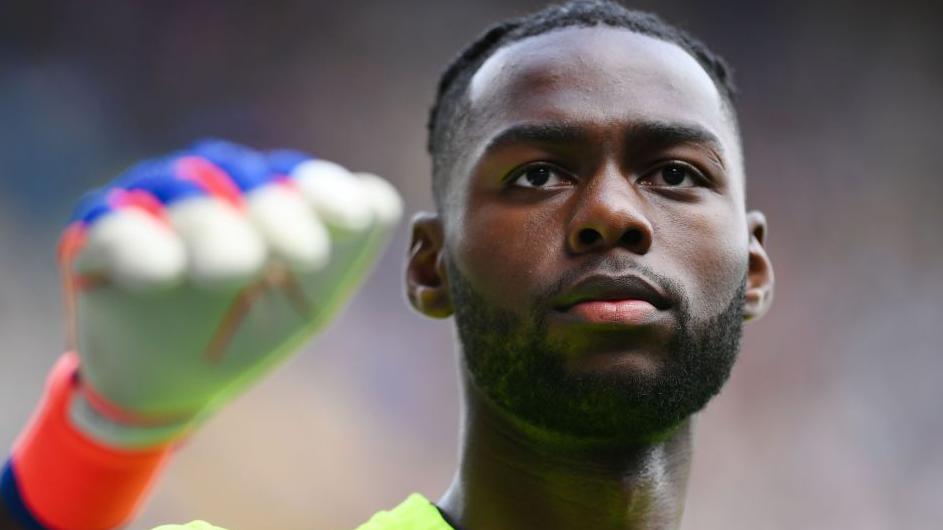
{"x": 192, "y": 274}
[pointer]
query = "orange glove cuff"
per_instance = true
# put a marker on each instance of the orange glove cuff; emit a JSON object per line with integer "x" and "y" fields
{"x": 69, "y": 481}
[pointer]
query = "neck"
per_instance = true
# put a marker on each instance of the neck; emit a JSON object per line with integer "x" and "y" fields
{"x": 513, "y": 478}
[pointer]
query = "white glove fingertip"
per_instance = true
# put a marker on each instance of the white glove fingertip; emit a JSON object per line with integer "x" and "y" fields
{"x": 134, "y": 249}
{"x": 288, "y": 224}
{"x": 335, "y": 194}
{"x": 223, "y": 247}
{"x": 386, "y": 201}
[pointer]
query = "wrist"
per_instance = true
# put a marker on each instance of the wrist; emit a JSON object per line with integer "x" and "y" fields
{"x": 68, "y": 479}
{"x": 110, "y": 426}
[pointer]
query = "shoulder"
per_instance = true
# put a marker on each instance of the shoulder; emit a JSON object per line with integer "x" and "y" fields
{"x": 415, "y": 513}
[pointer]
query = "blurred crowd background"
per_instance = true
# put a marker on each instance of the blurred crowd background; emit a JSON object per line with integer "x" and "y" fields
{"x": 833, "y": 417}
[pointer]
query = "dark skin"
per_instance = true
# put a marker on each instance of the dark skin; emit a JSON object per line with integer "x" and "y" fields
{"x": 587, "y": 144}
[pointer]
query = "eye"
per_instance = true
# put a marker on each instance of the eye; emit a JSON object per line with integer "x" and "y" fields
{"x": 539, "y": 176}
{"x": 674, "y": 175}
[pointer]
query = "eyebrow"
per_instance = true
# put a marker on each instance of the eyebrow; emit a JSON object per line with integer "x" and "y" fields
{"x": 538, "y": 133}
{"x": 641, "y": 135}
{"x": 655, "y": 135}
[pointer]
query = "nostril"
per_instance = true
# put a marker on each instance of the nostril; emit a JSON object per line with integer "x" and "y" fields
{"x": 631, "y": 237}
{"x": 588, "y": 236}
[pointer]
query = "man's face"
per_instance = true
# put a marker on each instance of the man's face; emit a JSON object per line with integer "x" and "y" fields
{"x": 596, "y": 250}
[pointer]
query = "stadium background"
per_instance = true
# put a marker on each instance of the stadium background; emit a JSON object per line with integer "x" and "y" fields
{"x": 832, "y": 418}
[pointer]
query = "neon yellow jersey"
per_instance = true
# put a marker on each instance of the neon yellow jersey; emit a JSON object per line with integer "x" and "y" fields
{"x": 415, "y": 513}
{"x": 195, "y": 525}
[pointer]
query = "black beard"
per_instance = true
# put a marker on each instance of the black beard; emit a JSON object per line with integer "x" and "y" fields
{"x": 512, "y": 362}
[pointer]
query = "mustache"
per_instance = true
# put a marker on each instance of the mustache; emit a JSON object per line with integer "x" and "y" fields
{"x": 609, "y": 265}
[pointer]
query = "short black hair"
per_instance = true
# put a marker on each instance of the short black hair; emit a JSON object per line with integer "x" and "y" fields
{"x": 449, "y": 111}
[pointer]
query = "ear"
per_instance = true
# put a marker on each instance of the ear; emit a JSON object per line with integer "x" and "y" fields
{"x": 760, "y": 278}
{"x": 427, "y": 285}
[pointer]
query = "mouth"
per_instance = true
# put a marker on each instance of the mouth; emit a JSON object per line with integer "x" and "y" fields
{"x": 624, "y": 300}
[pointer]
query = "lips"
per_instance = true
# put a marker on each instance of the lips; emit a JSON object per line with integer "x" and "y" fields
{"x": 622, "y": 288}
{"x": 620, "y": 301}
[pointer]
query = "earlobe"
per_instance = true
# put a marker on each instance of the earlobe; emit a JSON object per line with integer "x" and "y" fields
{"x": 760, "y": 279}
{"x": 427, "y": 285}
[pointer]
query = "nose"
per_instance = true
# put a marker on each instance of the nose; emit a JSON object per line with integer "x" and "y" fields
{"x": 609, "y": 215}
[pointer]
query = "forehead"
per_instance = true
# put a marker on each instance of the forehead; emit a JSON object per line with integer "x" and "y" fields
{"x": 600, "y": 77}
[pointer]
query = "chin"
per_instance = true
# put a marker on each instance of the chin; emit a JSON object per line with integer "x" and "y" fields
{"x": 635, "y": 364}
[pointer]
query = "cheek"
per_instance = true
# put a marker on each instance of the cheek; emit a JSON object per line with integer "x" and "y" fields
{"x": 506, "y": 254}
{"x": 712, "y": 252}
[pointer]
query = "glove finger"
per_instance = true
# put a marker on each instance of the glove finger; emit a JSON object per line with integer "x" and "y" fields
{"x": 384, "y": 199}
{"x": 356, "y": 254}
{"x": 336, "y": 195}
{"x": 293, "y": 232}
{"x": 279, "y": 212}
{"x": 123, "y": 236}
{"x": 224, "y": 249}
{"x": 206, "y": 208}
{"x": 353, "y": 255}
